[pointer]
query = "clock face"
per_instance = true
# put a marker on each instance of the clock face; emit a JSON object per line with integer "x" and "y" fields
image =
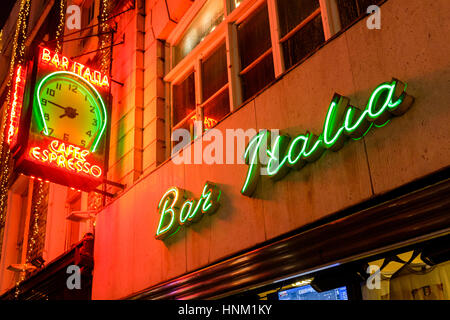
{"x": 71, "y": 109}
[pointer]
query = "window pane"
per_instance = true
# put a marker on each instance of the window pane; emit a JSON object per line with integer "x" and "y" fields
{"x": 216, "y": 109}
{"x": 214, "y": 72}
{"x": 180, "y": 143}
{"x": 254, "y": 37}
{"x": 292, "y": 12}
{"x": 351, "y": 10}
{"x": 210, "y": 16}
{"x": 183, "y": 99}
{"x": 303, "y": 42}
{"x": 258, "y": 77}
{"x": 235, "y": 4}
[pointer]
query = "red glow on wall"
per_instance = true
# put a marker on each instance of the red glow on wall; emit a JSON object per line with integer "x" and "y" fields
{"x": 12, "y": 127}
{"x": 65, "y": 156}
{"x": 60, "y": 62}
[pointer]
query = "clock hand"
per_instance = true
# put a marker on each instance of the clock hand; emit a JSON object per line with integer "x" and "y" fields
{"x": 56, "y": 105}
{"x": 70, "y": 112}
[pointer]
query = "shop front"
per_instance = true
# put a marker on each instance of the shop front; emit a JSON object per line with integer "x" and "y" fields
{"x": 331, "y": 182}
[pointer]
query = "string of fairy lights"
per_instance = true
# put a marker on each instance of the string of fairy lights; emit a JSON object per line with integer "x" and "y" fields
{"x": 95, "y": 200}
{"x": 18, "y": 51}
{"x": 17, "y": 56}
{"x": 106, "y": 37}
{"x": 36, "y": 210}
{"x": 61, "y": 23}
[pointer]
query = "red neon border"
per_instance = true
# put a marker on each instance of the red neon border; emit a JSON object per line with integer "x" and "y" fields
{"x": 16, "y": 104}
{"x": 60, "y": 62}
{"x": 46, "y": 143}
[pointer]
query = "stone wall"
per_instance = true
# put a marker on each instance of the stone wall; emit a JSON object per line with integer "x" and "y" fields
{"x": 409, "y": 46}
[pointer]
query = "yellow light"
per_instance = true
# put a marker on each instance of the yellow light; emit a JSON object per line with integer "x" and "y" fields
{"x": 302, "y": 283}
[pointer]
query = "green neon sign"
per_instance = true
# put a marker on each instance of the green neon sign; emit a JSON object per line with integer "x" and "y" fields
{"x": 176, "y": 210}
{"x": 342, "y": 122}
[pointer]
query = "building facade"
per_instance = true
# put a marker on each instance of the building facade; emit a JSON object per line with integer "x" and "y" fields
{"x": 257, "y": 148}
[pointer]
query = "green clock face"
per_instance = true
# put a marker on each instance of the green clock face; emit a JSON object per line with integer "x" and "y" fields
{"x": 71, "y": 109}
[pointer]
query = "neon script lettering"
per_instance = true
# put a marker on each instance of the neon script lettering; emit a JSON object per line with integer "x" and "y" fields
{"x": 207, "y": 122}
{"x": 177, "y": 210}
{"x": 63, "y": 63}
{"x": 342, "y": 122}
{"x": 16, "y": 105}
{"x": 66, "y": 156}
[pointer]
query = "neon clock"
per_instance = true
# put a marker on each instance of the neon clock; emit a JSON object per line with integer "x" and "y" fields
{"x": 66, "y": 123}
{"x": 70, "y": 109}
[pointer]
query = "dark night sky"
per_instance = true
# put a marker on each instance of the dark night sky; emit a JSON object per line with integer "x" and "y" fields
{"x": 5, "y": 8}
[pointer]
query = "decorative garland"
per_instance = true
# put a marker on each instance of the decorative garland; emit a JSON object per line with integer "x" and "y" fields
{"x": 17, "y": 56}
{"x": 36, "y": 215}
{"x": 106, "y": 38}
{"x": 37, "y": 211}
{"x": 60, "y": 28}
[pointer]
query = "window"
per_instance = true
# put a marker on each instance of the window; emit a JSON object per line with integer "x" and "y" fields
{"x": 88, "y": 17}
{"x": 183, "y": 108}
{"x": 211, "y": 15}
{"x": 210, "y": 102}
{"x": 90, "y": 13}
{"x": 301, "y": 29}
{"x": 415, "y": 272}
{"x": 351, "y": 10}
{"x": 215, "y": 99}
{"x": 214, "y": 72}
{"x": 235, "y": 3}
{"x": 255, "y": 51}
{"x": 183, "y": 100}
{"x": 73, "y": 227}
{"x": 221, "y": 58}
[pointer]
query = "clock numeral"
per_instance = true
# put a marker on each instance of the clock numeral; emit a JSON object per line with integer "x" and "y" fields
{"x": 83, "y": 143}
{"x": 94, "y": 122}
{"x": 51, "y": 92}
{"x": 89, "y": 133}
{"x": 58, "y": 86}
{"x": 73, "y": 88}
{"x": 50, "y": 131}
{"x": 85, "y": 98}
{"x": 66, "y": 137}
{"x": 46, "y": 116}
{"x": 44, "y": 102}
{"x": 92, "y": 109}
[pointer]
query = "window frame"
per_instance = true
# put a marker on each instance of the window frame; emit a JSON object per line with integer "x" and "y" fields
{"x": 227, "y": 31}
{"x": 179, "y": 80}
{"x": 242, "y": 71}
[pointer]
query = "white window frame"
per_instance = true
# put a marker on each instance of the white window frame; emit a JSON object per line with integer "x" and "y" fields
{"x": 227, "y": 30}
